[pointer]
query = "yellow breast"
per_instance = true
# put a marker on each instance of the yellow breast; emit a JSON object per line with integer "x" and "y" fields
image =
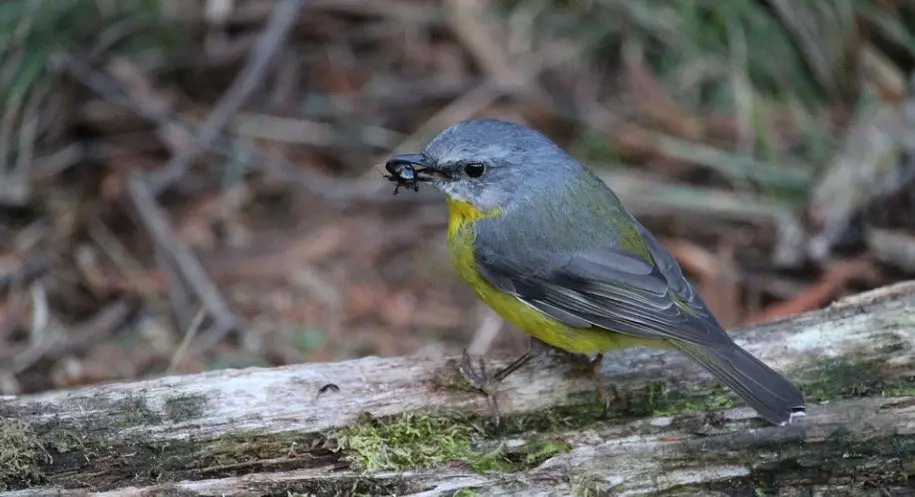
{"x": 524, "y": 317}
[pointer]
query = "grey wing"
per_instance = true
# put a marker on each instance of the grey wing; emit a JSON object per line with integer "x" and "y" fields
{"x": 607, "y": 288}
{"x": 672, "y": 273}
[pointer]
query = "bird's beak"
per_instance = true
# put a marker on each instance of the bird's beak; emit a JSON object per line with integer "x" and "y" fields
{"x": 415, "y": 160}
{"x": 418, "y": 162}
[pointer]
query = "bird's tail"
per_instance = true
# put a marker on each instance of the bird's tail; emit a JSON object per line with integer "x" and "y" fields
{"x": 771, "y": 394}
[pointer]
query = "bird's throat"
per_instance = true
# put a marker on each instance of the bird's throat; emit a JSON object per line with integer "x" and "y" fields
{"x": 461, "y": 216}
{"x": 461, "y": 211}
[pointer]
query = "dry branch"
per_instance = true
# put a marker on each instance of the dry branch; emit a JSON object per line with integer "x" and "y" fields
{"x": 272, "y": 431}
{"x": 176, "y": 252}
{"x": 278, "y": 26}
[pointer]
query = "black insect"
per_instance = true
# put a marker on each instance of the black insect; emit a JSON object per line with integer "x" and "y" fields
{"x": 403, "y": 171}
{"x": 330, "y": 387}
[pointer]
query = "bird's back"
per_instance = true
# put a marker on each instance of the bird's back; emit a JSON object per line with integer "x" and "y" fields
{"x": 567, "y": 213}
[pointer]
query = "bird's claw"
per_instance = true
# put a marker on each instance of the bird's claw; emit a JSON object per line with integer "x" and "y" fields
{"x": 478, "y": 379}
{"x": 592, "y": 368}
{"x": 594, "y": 371}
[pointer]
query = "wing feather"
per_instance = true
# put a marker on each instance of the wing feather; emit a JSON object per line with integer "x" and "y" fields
{"x": 607, "y": 288}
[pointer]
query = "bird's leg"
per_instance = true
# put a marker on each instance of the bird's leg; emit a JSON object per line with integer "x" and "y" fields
{"x": 592, "y": 369}
{"x": 594, "y": 372}
{"x": 481, "y": 381}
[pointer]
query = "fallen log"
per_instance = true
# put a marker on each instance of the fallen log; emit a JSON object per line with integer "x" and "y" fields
{"x": 409, "y": 426}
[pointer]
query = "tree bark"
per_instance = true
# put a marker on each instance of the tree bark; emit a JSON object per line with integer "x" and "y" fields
{"x": 410, "y": 426}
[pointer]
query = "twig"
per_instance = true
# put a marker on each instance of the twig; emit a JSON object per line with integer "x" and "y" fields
{"x": 130, "y": 268}
{"x": 880, "y": 73}
{"x": 35, "y": 264}
{"x": 13, "y": 310}
{"x": 644, "y": 195}
{"x": 298, "y": 130}
{"x": 56, "y": 162}
{"x": 177, "y": 292}
{"x": 477, "y": 99}
{"x": 43, "y": 334}
{"x": 18, "y": 190}
{"x": 478, "y": 33}
{"x": 824, "y": 31}
{"x": 460, "y": 109}
{"x": 281, "y": 21}
{"x": 189, "y": 335}
{"x": 114, "y": 89}
{"x": 76, "y": 339}
{"x": 817, "y": 294}
{"x": 188, "y": 266}
{"x": 731, "y": 165}
{"x": 41, "y": 312}
{"x": 341, "y": 192}
{"x": 742, "y": 88}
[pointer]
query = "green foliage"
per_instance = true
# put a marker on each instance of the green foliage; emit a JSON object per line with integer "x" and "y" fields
{"x": 704, "y": 50}
{"x": 899, "y": 29}
{"x": 32, "y": 32}
{"x": 21, "y": 455}
{"x": 465, "y": 492}
{"x": 757, "y": 60}
{"x": 415, "y": 441}
{"x": 420, "y": 440}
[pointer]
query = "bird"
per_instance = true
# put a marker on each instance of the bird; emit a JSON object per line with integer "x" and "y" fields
{"x": 550, "y": 248}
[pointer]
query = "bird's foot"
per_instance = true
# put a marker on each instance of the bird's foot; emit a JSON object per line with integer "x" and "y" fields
{"x": 594, "y": 372}
{"x": 591, "y": 368}
{"x": 478, "y": 379}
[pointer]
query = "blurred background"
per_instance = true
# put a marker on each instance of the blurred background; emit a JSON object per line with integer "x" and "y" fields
{"x": 192, "y": 185}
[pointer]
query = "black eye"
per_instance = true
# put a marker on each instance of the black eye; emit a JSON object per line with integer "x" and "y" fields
{"x": 475, "y": 170}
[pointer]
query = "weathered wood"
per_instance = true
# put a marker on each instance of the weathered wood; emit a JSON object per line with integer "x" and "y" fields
{"x": 675, "y": 430}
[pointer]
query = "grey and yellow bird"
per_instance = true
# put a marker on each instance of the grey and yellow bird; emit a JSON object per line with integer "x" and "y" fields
{"x": 547, "y": 245}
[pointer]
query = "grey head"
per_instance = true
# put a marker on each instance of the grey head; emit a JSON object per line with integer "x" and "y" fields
{"x": 491, "y": 163}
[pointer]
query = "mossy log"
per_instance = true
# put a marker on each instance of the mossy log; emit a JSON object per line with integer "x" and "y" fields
{"x": 408, "y": 426}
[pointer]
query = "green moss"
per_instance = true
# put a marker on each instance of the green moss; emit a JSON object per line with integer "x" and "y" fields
{"x": 419, "y": 440}
{"x": 465, "y": 492}
{"x": 132, "y": 410}
{"x": 62, "y": 440}
{"x": 586, "y": 484}
{"x": 657, "y": 399}
{"x": 21, "y": 455}
{"x": 845, "y": 378}
{"x": 661, "y": 400}
{"x": 556, "y": 419}
{"x": 537, "y": 451}
{"x": 415, "y": 441}
{"x": 182, "y": 408}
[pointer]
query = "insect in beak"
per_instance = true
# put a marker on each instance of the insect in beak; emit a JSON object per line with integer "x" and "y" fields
{"x": 403, "y": 171}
